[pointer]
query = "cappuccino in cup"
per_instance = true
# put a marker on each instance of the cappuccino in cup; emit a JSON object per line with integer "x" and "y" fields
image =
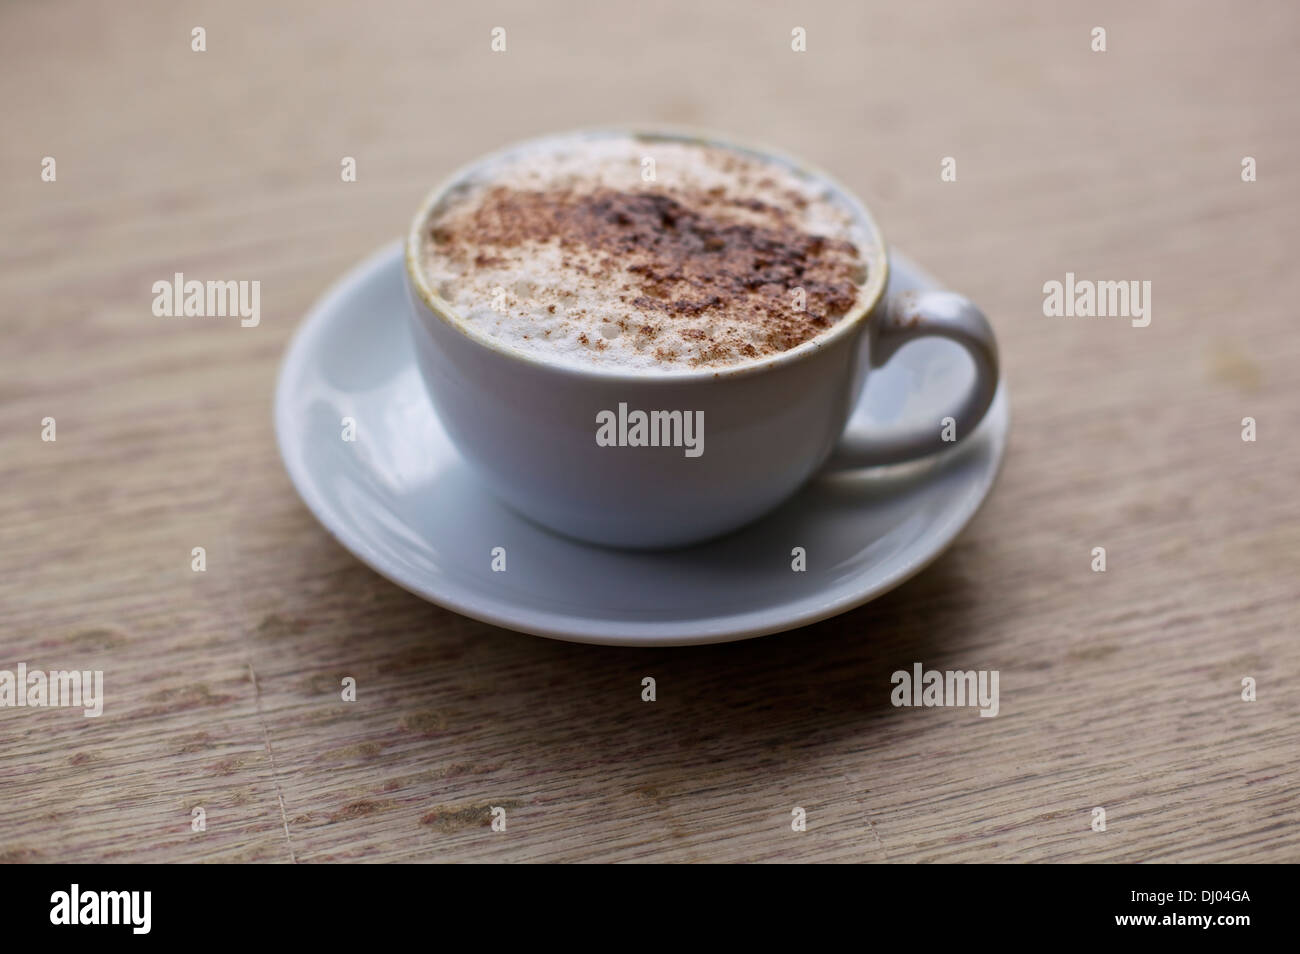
{"x": 577, "y": 297}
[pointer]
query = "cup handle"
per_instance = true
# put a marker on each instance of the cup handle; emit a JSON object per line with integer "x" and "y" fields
{"x": 920, "y": 314}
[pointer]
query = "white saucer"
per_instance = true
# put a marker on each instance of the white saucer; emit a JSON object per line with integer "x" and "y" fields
{"x": 401, "y": 500}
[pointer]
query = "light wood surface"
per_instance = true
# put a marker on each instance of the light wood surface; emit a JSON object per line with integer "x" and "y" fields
{"x": 1119, "y": 690}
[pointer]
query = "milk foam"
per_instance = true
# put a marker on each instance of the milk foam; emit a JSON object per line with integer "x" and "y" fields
{"x": 644, "y": 254}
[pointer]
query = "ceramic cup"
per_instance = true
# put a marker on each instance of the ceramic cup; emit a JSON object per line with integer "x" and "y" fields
{"x": 529, "y": 427}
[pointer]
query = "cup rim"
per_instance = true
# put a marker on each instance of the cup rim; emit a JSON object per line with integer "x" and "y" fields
{"x": 868, "y": 295}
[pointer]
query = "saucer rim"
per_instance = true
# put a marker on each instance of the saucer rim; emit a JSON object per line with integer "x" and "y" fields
{"x": 561, "y": 626}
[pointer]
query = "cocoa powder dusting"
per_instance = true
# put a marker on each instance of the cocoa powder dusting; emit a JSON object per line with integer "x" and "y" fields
{"x": 731, "y": 265}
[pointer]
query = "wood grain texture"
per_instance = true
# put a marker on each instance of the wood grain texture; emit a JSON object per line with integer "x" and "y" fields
{"x": 1119, "y": 689}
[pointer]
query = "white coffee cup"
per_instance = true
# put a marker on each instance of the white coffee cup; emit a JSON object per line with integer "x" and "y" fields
{"x": 529, "y": 427}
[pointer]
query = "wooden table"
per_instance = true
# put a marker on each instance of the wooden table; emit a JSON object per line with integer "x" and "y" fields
{"x": 1120, "y": 690}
